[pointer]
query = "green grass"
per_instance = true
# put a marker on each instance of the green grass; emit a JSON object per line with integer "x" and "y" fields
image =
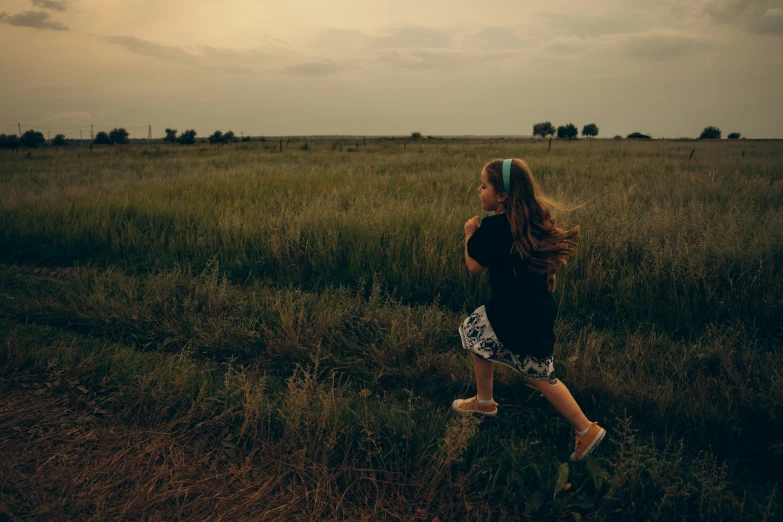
{"x": 308, "y": 303}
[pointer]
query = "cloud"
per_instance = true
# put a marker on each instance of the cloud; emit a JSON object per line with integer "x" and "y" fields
{"x": 758, "y": 16}
{"x": 155, "y": 50}
{"x": 434, "y": 59}
{"x": 651, "y": 45}
{"x": 272, "y": 55}
{"x": 54, "y": 5}
{"x": 411, "y": 36}
{"x": 342, "y": 41}
{"x": 314, "y": 69}
{"x": 585, "y": 25}
{"x": 660, "y": 44}
{"x": 499, "y": 37}
{"x": 34, "y": 19}
{"x": 70, "y": 116}
{"x": 412, "y": 47}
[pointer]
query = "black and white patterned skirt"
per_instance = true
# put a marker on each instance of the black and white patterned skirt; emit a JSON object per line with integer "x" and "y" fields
{"x": 479, "y": 337}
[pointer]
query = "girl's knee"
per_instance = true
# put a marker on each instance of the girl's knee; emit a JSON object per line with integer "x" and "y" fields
{"x": 540, "y": 384}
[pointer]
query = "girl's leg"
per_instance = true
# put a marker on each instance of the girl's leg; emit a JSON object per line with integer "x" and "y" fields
{"x": 560, "y": 397}
{"x": 485, "y": 372}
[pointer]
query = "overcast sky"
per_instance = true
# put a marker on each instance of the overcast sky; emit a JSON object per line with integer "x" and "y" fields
{"x": 441, "y": 67}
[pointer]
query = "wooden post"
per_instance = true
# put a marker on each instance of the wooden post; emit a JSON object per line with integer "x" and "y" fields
{"x": 404, "y": 145}
{"x": 281, "y": 144}
{"x": 149, "y": 133}
{"x": 550, "y": 144}
{"x": 691, "y": 156}
{"x": 743, "y": 153}
{"x": 92, "y": 137}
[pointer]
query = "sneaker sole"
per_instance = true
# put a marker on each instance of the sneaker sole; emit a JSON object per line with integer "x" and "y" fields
{"x": 591, "y": 447}
{"x": 466, "y": 412}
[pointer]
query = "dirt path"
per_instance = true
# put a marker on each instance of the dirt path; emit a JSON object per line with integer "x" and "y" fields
{"x": 62, "y": 458}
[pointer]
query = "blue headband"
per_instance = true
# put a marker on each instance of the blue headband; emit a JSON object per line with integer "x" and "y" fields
{"x": 507, "y": 175}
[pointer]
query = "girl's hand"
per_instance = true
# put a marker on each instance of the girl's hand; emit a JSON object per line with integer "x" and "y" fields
{"x": 471, "y": 225}
{"x": 551, "y": 282}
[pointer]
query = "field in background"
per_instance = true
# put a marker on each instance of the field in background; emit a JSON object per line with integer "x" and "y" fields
{"x": 238, "y": 332}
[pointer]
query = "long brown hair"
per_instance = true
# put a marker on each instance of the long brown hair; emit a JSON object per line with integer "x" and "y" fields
{"x": 541, "y": 244}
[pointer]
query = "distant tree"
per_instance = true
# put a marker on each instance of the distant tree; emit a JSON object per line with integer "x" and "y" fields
{"x": 245, "y": 139}
{"x": 415, "y": 135}
{"x": 119, "y": 136}
{"x": 544, "y": 129}
{"x": 59, "y": 141}
{"x": 590, "y": 130}
{"x": 10, "y": 141}
{"x": 567, "y": 131}
{"x": 187, "y": 138}
{"x": 102, "y": 138}
{"x": 229, "y": 137}
{"x": 171, "y": 136}
{"x": 216, "y": 137}
{"x": 734, "y": 136}
{"x": 32, "y": 138}
{"x": 710, "y": 133}
{"x": 618, "y": 137}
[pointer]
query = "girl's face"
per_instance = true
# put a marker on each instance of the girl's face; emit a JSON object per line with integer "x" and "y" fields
{"x": 490, "y": 200}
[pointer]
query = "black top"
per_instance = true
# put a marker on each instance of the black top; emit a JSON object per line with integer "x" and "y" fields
{"x": 521, "y": 310}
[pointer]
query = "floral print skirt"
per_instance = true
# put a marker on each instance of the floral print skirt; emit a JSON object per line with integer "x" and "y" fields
{"x": 479, "y": 337}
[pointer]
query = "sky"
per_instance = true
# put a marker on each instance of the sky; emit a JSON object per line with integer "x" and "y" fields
{"x": 369, "y": 67}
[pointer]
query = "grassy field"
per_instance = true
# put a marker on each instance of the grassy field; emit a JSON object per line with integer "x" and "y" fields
{"x": 244, "y": 333}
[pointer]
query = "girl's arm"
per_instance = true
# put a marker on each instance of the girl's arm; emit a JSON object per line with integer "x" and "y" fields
{"x": 473, "y": 266}
{"x": 470, "y": 227}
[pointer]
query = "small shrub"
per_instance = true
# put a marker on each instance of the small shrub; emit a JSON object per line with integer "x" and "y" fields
{"x": 187, "y": 138}
{"x": 568, "y": 131}
{"x": 119, "y": 136}
{"x": 216, "y": 137}
{"x": 102, "y": 138}
{"x": 544, "y": 129}
{"x": 10, "y": 141}
{"x": 710, "y": 133}
{"x": 32, "y": 138}
{"x": 590, "y": 130}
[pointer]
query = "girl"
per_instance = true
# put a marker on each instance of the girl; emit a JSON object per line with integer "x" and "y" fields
{"x": 523, "y": 249}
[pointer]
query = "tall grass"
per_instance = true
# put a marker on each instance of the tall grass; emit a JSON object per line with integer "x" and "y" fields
{"x": 703, "y": 237}
{"x": 276, "y": 333}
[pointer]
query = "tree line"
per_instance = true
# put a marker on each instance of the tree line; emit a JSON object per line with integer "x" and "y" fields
{"x": 567, "y": 131}
{"x": 116, "y": 136}
{"x": 119, "y": 136}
